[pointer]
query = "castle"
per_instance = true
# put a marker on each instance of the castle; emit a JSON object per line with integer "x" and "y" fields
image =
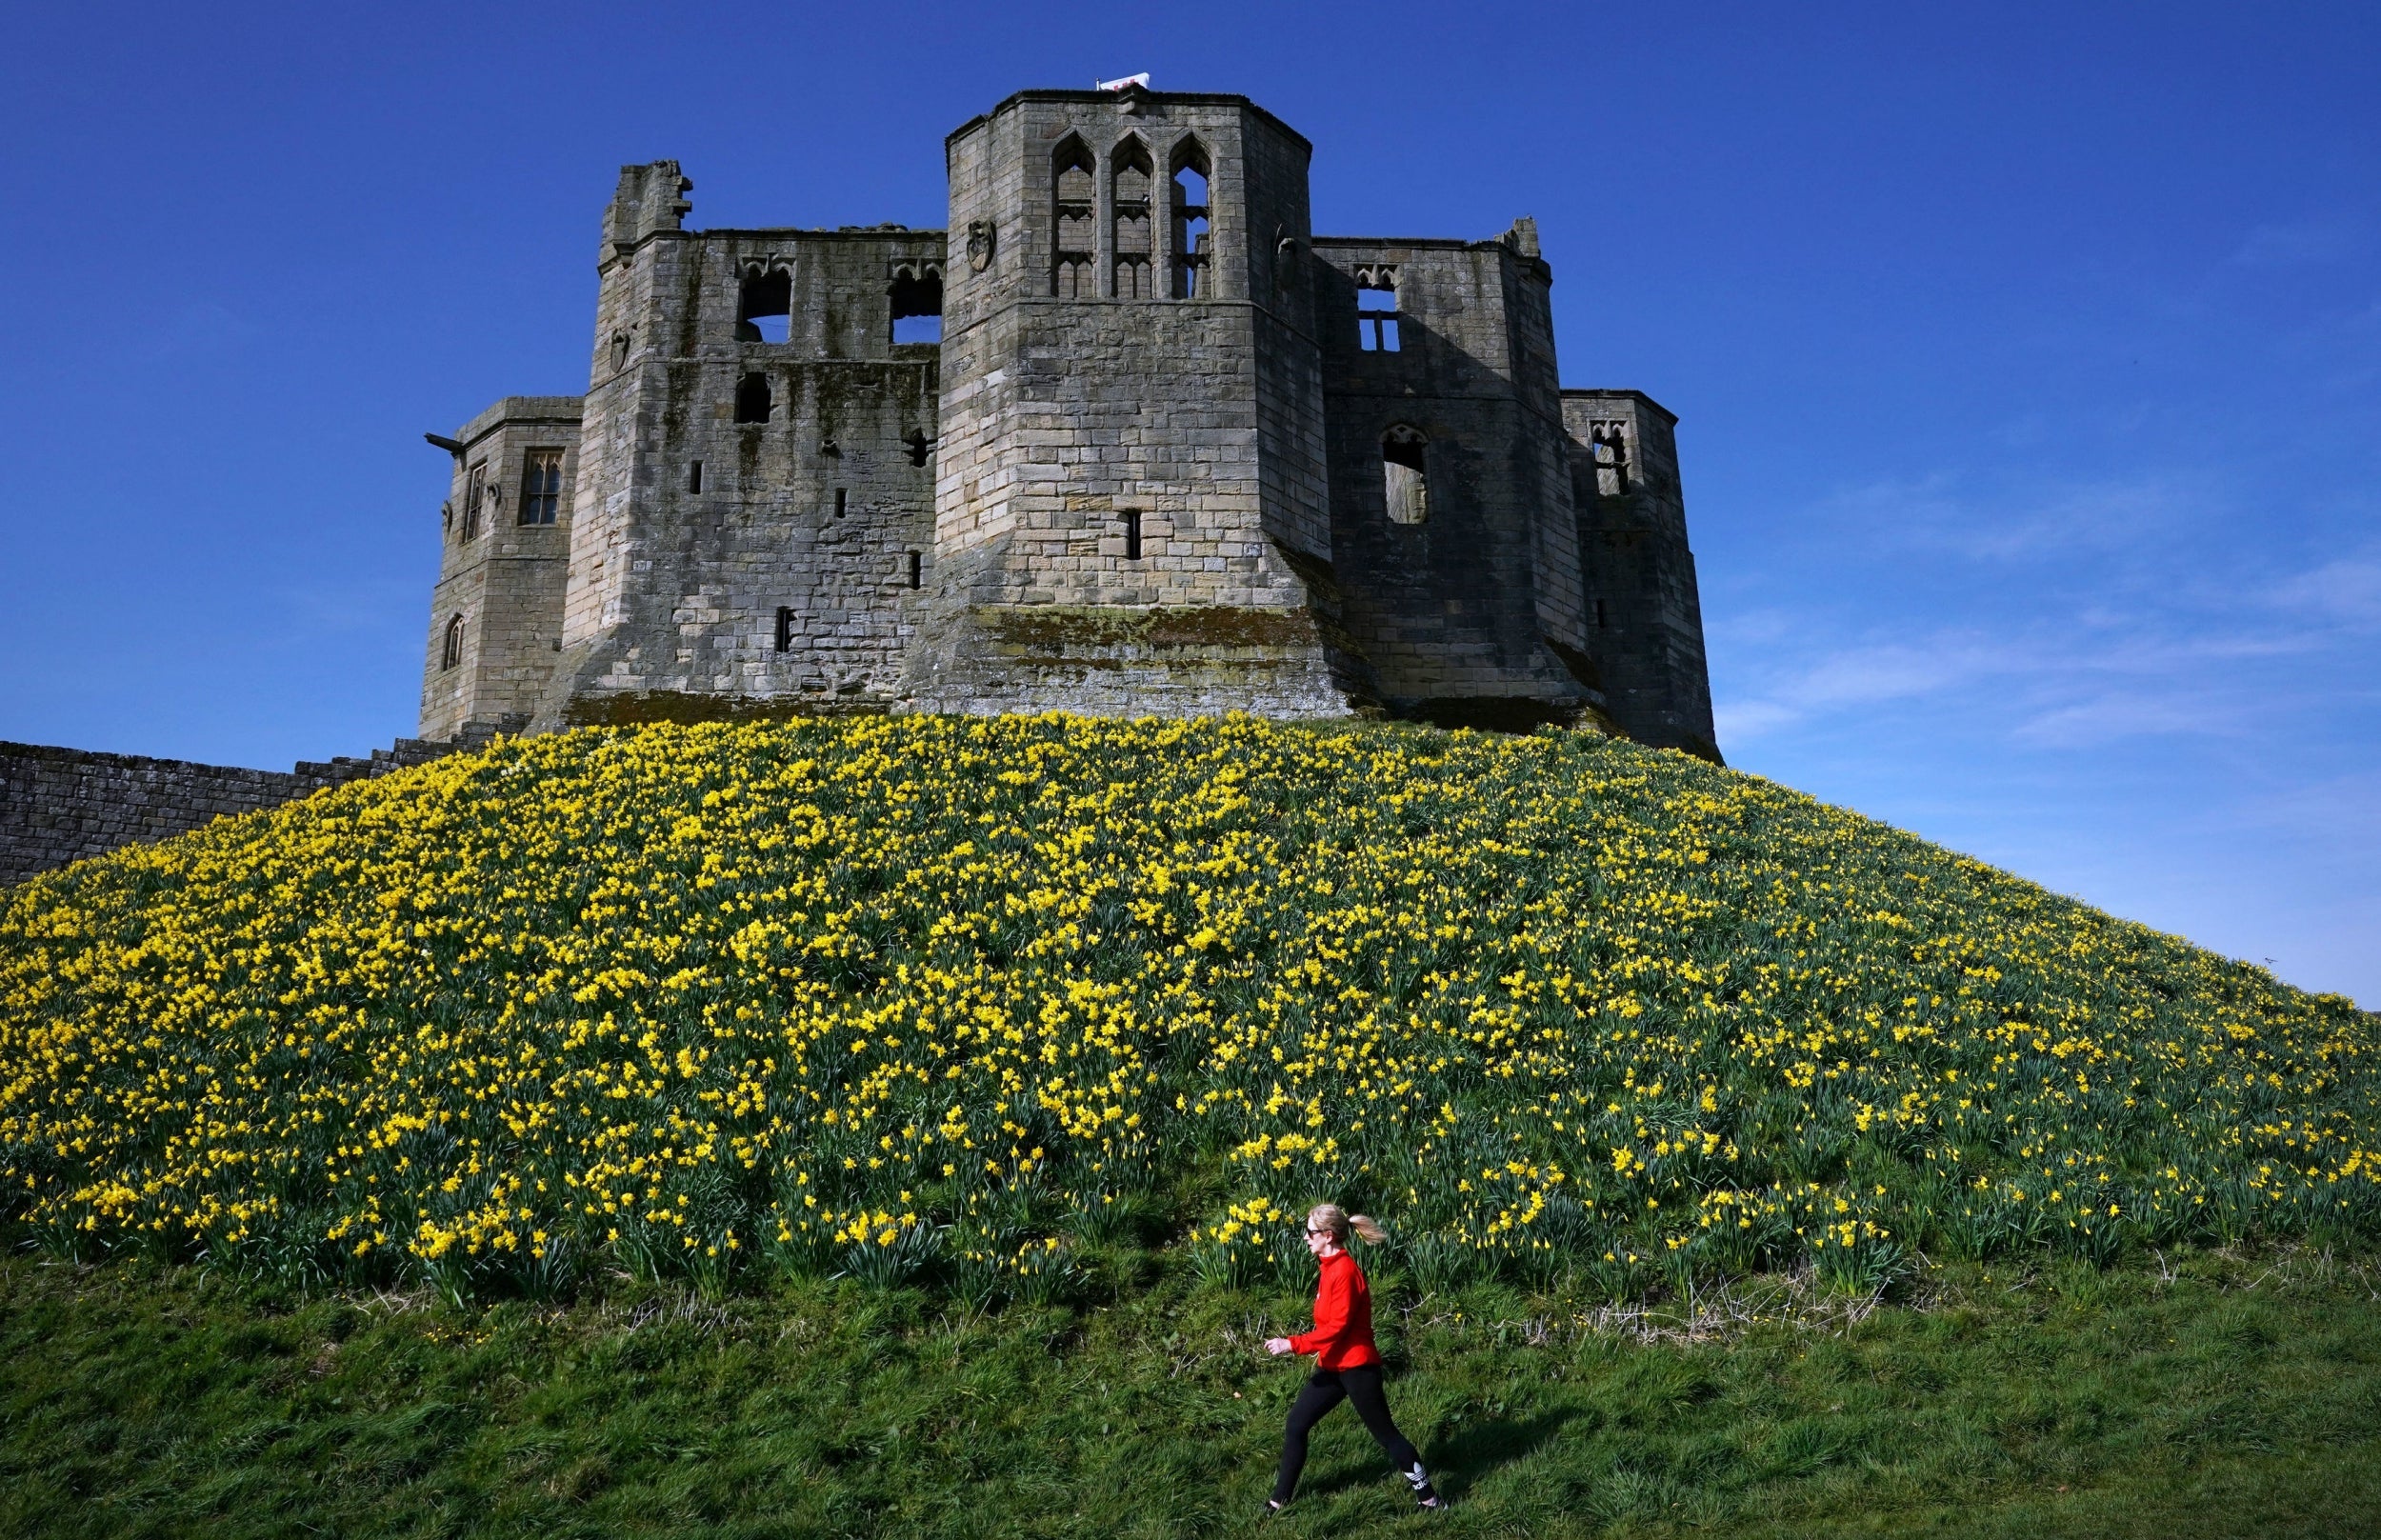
{"x": 1127, "y": 437}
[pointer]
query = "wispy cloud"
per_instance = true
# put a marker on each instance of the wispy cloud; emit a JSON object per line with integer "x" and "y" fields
{"x": 1942, "y": 512}
{"x": 2299, "y": 244}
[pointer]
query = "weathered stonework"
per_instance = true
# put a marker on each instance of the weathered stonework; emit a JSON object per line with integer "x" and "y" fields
{"x": 1164, "y": 458}
{"x": 59, "y": 806}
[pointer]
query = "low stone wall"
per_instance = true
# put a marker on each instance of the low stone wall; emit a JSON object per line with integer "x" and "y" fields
{"x": 64, "y": 805}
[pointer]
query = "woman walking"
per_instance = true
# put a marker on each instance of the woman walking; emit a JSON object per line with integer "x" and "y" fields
{"x": 1347, "y": 1365}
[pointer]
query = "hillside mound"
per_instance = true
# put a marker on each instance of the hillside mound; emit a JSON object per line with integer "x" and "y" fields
{"x": 952, "y": 998}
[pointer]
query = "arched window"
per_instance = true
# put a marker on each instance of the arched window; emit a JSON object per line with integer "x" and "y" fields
{"x": 452, "y": 653}
{"x": 917, "y": 303}
{"x": 1406, "y": 474}
{"x": 1073, "y": 231}
{"x": 754, "y": 403}
{"x": 1193, "y": 235}
{"x": 1132, "y": 241}
{"x": 1607, "y": 450}
{"x": 764, "y": 308}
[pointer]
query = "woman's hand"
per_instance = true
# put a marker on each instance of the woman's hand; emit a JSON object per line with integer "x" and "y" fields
{"x": 1277, "y": 1346}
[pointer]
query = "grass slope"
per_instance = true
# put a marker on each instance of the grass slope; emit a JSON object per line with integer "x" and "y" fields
{"x": 2236, "y": 1398}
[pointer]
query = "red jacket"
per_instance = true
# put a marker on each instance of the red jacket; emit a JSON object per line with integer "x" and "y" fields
{"x": 1342, "y": 1337}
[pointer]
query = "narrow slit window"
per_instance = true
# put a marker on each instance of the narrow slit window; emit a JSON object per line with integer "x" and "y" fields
{"x": 1132, "y": 517}
{"x": 695, "y": 477}
{"x": 918, "y": 307}
{"x": 917, "y": 568}
{"x": 784, "y": 629}
{"x": 1406, "y": 475}
{"x": 451, "y": 654}
{"x": 754, "y": 401}
{"x": 1600, "y": 623}
{"x": 541, "y": 486}
{"x": 1073, "y": 233}
{"x": 474, "y": 494}
{"x": 1376, "y": 313}
{"x": 921, "y": 447}
{"x": 1194, "y": 231}
{"x": 1131, "y": 235}
{"x": 842, "y": 494}
{"x": 765, "y": 309}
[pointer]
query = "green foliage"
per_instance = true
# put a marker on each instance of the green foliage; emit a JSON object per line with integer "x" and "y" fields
{"x": 1014, "y": 1008}
{"x": 2224, "y": 1396}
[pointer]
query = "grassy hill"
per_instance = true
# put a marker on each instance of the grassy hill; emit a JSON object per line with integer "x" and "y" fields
{"x": 1036, "y": 1016}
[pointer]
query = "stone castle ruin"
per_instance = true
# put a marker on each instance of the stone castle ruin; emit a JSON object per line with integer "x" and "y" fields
{"x": 1126, "y": 438}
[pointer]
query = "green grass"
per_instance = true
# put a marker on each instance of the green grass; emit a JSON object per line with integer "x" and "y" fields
{"x": 2225, "y": 1396}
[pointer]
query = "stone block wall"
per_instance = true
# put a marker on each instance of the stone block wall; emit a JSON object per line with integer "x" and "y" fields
{"x": 59, "y": 806}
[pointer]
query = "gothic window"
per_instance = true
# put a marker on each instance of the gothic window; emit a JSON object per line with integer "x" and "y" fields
{"x": 1608, "y": 448}
{"x": 1073, "y": 234}
{"x": 764, "y": 308}
{"x": 1132, "y": 242}
{"x": 754, "y": 403}
{"x": 784, "y": 629}
{"x": 1406, "y": 474}
{"x": 541, "y": 486}
{"x": 474, "y": 494}
{"x": 1194, "y": 234}
{"x": 1376, "y": 309}
{"x": 452, "y": 653}
{"x": 917, "y": 303}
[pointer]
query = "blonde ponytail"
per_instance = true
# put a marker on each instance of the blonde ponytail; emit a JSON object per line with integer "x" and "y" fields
{"x": 1336, "y": 1222}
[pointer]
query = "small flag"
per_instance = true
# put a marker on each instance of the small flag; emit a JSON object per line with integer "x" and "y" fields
{"x": 1141, "y": 80}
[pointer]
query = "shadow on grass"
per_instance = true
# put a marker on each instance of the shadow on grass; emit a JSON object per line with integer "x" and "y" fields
{"x": 1457, "y": 1461}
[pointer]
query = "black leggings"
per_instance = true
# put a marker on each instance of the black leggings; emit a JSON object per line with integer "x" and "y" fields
{"x": 1326, "y": 1389}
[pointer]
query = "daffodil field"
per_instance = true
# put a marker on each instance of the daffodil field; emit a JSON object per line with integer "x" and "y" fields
{"x": 946, "y": 999}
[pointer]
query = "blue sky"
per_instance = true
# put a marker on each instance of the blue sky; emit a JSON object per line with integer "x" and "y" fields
{"x": 2029, "y": 358}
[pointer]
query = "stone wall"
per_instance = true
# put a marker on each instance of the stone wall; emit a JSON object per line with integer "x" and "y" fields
{"x": 63, "y": 804}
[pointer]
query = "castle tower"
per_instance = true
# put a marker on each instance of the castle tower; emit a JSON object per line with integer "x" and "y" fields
{"x": 1131, "y": 512}
{"x": 495, "y": 622}
{"x": 1645, "y": 617}
{"x": 755, "y": 535}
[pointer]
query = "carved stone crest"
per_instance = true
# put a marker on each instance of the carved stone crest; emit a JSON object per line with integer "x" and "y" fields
{"x": 979, "y": 244}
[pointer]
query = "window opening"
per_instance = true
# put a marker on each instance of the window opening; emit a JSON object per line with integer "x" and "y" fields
{"x": 918, "y": 307}
{"x": 917, "y": 568}
{"x": 1132, "y": 517}
{"x": 921, "y": 447}
{"x": 1131, "y": 235}
{"x": 1406, "y": 474}
{"x": 452, "y": 653}
{"x": 695, "y": 477}
{"x": 754, "y": 403}
{"x": 1073, "y": 232}
{"x": 1192, "y": 232}
{"x": 1607, "y": 447}
{"x": 764, "y": 310}
{"x": 474, "y": 494}
{"x": 784, "y": 629}
{"x": 541, "y": 486}
{"x": 1376, "y": 311}
{"x": 1599, "y": 615}
{"x": 840, "y": 494}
